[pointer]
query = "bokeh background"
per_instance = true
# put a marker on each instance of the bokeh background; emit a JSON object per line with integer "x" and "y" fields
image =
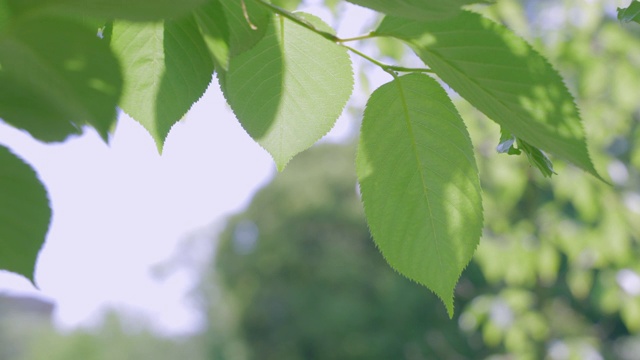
{"x": 295, "y": 275}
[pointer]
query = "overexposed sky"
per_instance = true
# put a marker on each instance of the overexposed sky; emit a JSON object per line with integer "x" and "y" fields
{"x": 121, "y": 209}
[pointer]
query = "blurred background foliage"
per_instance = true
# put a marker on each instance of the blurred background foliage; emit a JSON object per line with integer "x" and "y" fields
{"x": 556, "y": 275}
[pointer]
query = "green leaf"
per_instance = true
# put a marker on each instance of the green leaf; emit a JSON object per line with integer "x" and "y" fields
{"x": 502, "y": 76}
{"x": 536, "y": 158}
{"x": 213, "y": 25}
{"x": 24, "y": 215}
{"x": 247, "y": 24}
{"x": 507, "y": 143}
{"x": 56, "y": 76}
{"x": 287, "y": 4}
{"x": 630, "y": 13}
{"x": 168, "y": 68}
{"x": 289, "y": 89}
{"x": 135, "y": 10}
{"x": 419, "y": 183}
{"x": 418, "y": 9}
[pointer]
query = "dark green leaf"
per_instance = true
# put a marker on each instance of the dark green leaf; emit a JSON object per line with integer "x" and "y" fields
{"x": 24, "y": 215}
{"x": 213, "y": 25}
{"x": 501, "y": 75}
{"x": 289, "y": 89}
{"x": 631, "y": 13}
{"x": 168, "y": 68}
{"x": 419, "y": 183}
{"x": 135, "y": 10}
{"x": 418, "y": 9}
{"x": 247, "y": 24}
{"x": 56, "y": 76}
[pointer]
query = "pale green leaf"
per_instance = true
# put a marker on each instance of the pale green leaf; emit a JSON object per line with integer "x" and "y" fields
{"x": 288, "y": 90}
{"x": 135, "y": 10}
{"x": 418, "y": 9}
{"x": 55, "y": 77}
{"x": 419, "y": 183}
{"x": 247, "y": 24}
{"x": 168, "y": 68}
{"x": 24, "y": 215}
{"x": 502, "y": 76}
{"x": 213, "y": 25}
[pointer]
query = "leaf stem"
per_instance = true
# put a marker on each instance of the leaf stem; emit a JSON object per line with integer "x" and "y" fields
{"x": 391, "y": 69}
{"x": 356, "y": 38}
{"x": 298, "y": 20}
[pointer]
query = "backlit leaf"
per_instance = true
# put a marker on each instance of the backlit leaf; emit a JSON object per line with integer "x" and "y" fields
{"x": 289, "y": 89}
{"x": 24, "y": 215}
{"x": 418, "y": 9}
{"x": 55, "y": 77}
{"x": 502, "y": 76}
{"x": 168, "y": 68}
{"x": 419, "y": 183}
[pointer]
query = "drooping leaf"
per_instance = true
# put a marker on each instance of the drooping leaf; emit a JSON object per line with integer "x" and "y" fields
{"x": 248, "y": 22}
{"x": 134, "y": 10}
{"x": 502, "y": 76}
{"x": 418, "y": 9}
{"x": 630, "y": 13}
{"x": 419, "y": 183}
{"x": 168, "y": 68}
{"x": 55, "y": 77}
{"x": 537, "y": 158}
{"x": 213, "y": 25}
{"x": 24, "y": 215}
{"x": 289, "y": 90}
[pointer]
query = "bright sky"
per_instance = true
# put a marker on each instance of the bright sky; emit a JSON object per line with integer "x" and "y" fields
{"x": 120, "y": 209}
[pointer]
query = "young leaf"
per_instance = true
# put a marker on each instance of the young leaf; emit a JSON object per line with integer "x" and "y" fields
{"x": 289, "y": 89}
{"x": 419, "y": 183}
{"x": 168, "y": 68}
{"x": 536, "y": 158}
{"x": 56, "y": 76}
{"x": 511, "y": 145}
{"x": 418, "y": 9}
{"x": 134, "y": 10}
{"x": 213, "y": 25}
{"x": 502, "y": 76}
{"x": 24, "y": 215}
{"x": 248, "y": 22}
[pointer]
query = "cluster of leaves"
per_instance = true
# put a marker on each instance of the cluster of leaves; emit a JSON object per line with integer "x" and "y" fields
{"x": 287, "y": 77}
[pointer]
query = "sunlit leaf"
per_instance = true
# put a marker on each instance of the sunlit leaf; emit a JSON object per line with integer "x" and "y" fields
{"x": 24, "y": 215}
{"x": 501, "y": 75}
{"x": 289, "y": 89}
{"x": 419, "y": 183}
{"x": 55, "y": 77}
{"x": 418, "y": 9}
{"x": 168, "y": 68}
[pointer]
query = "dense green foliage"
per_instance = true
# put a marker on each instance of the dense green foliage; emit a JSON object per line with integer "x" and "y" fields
{"x": 303, "y": 281}
{"x": 287, "y": 77}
